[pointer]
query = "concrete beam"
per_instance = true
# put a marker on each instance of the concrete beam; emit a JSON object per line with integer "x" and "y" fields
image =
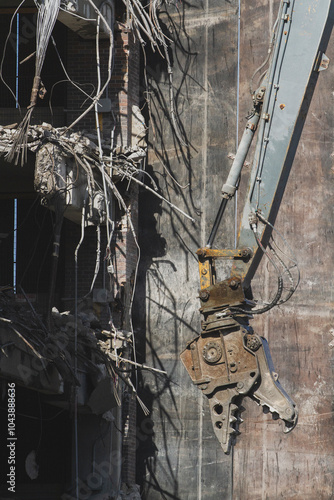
{"x": 80, "y": 16}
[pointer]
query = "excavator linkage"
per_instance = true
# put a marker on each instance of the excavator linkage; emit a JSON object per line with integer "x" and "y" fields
{"x": 228, "y": 361}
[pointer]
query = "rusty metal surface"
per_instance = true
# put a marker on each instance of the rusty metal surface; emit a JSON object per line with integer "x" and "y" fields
{"x": 242, "y": 253}
{"x": 228, "y": 365}
{"x": 205, "y": 273}
{"x": 233, "y": 364}
{"x": 222, "y": 294}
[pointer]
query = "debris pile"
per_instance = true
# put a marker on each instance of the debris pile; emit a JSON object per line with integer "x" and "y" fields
{"x": 82, "y": 149}
{"x": 58, "y": 347}
{"x": 82, "y": 144}
{"x": 98, "y": 352}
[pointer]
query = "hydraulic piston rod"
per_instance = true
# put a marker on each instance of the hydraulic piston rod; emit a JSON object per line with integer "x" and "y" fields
{"x": 230, "y": 187}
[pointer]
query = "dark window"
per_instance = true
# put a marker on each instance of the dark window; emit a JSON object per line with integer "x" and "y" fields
{"x": 19, "y": 75}
{"x": 33, "y": 245}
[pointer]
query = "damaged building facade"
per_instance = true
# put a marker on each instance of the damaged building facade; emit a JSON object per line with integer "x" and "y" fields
{"x": 119, "y": 122}
{"x": 72, "y": 142}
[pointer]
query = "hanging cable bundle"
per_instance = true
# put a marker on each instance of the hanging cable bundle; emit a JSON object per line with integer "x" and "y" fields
{"x": 46, "y": 19}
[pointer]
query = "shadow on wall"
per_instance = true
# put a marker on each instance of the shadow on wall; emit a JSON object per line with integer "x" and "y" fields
{"x": 164, "y": 109}
{"x": 154, "y": 387}
{"x": 156, "y": 305}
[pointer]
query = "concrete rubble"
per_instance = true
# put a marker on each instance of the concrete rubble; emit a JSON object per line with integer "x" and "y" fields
{"x": 82, "y": 142}
{"x": 57, "y": 347}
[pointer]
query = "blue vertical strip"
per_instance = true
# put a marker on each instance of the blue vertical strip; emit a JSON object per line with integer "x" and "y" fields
{"x": 17, "y": 105}
{"x": 15, "y": 245}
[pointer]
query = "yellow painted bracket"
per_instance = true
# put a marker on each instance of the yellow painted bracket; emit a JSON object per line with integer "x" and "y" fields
{"x": 205, "y": 273}
{"x": 206, "y": 257}
{"x": 236, "y": 253}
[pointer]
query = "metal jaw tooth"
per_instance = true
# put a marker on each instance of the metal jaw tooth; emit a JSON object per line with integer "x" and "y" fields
{"x": 289, "y": 423}
{"x": 233, "y": 407}
{"x": 223, "y": 417}
{"x": 289, "y": 426}
{"x": 270, "y": 394}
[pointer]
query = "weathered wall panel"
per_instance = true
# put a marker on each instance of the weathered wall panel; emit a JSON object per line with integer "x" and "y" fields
{"x": 182, "y": 459}
{"x": 185, "y": 461}
{"x": 267, "y": 463}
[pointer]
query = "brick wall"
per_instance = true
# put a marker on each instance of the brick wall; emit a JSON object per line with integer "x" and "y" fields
{"x": 81, "y": 66}
{"x": 123, "y": 89}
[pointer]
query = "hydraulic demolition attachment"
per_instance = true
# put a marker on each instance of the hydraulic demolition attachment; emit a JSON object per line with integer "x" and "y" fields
{"x": 228, "y": 360}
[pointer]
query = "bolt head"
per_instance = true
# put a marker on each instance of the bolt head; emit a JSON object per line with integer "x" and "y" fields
{"x": 234, "y": 284}
{"x": 204, "y": 295}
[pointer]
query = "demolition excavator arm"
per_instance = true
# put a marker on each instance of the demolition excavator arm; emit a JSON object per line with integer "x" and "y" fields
{"x": 228, "y": 360}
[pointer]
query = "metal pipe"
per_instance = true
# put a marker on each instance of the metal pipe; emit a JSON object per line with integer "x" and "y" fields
{"x": 230, "y": 187}
{"x": 217, "y": 222}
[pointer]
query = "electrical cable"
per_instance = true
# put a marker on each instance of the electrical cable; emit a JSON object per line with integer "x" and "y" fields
{"x": 129, "y": 220}
{"x": 98, "y": 259}
{"x": 279, "y": 291}
{"x": 76, "y": 15}
{"x": 271, "y": 44}
{"x": 162, "y": 198}
{"x": 292, "y": 288}
{"x": 102, "y": 166}
{"x": 149, "y": 24}
{"x": 105, "y": 85}
{"x": 277, "y": 299}
{"x": 294, "y": 285}
{"x": 120, "y": 199}
{"x": 75, "y": 84}
{"x": 46, "y": 19}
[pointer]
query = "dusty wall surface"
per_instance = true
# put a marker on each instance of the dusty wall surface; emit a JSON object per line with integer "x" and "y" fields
{"x": 181, "y": 458}
{"x": 299, "y": 465}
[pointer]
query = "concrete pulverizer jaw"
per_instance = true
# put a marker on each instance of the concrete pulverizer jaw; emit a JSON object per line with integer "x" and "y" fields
{"x": 269, "y": 393}
{"x": 229, "y": 364}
